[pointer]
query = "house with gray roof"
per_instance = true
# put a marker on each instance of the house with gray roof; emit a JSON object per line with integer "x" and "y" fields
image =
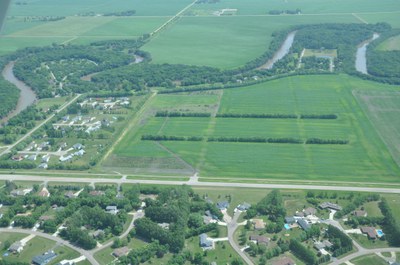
{"x": 44, "y": 258}
{"x": 205, "y": 243}
{"x": 303, "y": 224}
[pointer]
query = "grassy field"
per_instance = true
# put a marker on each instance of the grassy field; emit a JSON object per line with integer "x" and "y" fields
{"x": 391, "y": 44}
{"x": 18, "y": 33}
{"x": 368, "y": 260}
{"x": 225, "y": 42}
{"x": 73, "y": 7}
{"x": 363, "y": 158}
{"x": 382, "y": 108}
{"x": 260, "y": 7}
{"x": 35, "y": 246}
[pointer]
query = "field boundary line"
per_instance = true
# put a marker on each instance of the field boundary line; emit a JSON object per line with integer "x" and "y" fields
{"x": 369, "y": 115}
{"x": 209, "y": 131}
{"x": 132, "y": 123}
{"x": 176, "y": 156}
{"x": 172, "y": 18}
{"x": 359, "y": 18}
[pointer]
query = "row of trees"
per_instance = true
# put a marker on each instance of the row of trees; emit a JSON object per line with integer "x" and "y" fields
{"x": 391, "y": 226}
{"x": 288, "y": 140}
{"x": 182, "y": 114}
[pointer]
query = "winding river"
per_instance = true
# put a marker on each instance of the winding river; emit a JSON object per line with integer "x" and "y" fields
{"x": 26, "y": 98}
{"x": 361, "y": 56}
{"x": 282, "y": 52}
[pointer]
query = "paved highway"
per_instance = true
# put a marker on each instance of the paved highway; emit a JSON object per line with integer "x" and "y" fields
{"x": 195, "y": 182}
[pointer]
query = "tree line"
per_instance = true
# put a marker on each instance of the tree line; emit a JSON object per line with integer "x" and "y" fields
{"x": 9, "y": 95}
{"x": 284, "y": 140}
{"x": 182, "y": 114}
{"x": 391, "y": 226}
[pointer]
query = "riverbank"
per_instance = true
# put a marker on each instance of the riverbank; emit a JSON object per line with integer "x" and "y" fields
{"x": 361, "y": 55}
{"x": 282, "y": 52}
{"x": 27, "y": 95}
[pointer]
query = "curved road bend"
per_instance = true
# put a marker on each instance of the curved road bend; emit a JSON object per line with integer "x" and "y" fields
{"x": 232, "y": 226}
{"x": 83, "y": 252}
{"x": 137, "y": 215}
{"x": 361, "y": 251}
{"x": 195, "y": 182}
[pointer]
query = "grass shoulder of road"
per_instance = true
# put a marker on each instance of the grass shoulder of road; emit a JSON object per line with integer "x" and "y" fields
{"x": 162, "y": 178}
{"x": 368, "y": 260}
{"x": 299, "y": 182}
{"x": 59, "y": 174}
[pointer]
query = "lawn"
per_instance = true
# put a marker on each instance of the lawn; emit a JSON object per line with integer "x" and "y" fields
{"x": 368, "y": 260}
{"x": 362, "y": 159}
{"x": 35, "y": 246}
{"x": 222, "y": 254}
{"x": 105, "y": 256}
{"x": 394, "y": 203}
{"x": 365, "y": 242}
{"x": 10, "y": 237}
{"x": 372, "y": 209}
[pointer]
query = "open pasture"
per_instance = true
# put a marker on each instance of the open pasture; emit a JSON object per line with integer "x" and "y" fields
{"x": 391, "y": 44}
{"x": 364, "y": 157}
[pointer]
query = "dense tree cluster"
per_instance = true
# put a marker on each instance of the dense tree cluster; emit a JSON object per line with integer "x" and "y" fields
{"x": 9, "y": 95}
{"x": 383, "y": 66}
{"x": 391, "y": 226}
{"x": 302, "y": 252}
{"x": 182, "y": 210}
{"x": 341, "y": 242}
{"x": 342, "y": 37}
{"x": 140, "y": 76}
{"x": 28, "y": 67}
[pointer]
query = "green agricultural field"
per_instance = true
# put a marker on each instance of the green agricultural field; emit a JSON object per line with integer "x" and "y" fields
{"x": 19, "y": 33}
{"x": 364, "y": 157}
{"x": 73, "y": 7}
{"x": 260, "y": 7}
{"x": 391, "y": 44}
{"x": 382, "y": 109}
{"x": 368, "y": 260}
{"x": 225, "y": 42}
